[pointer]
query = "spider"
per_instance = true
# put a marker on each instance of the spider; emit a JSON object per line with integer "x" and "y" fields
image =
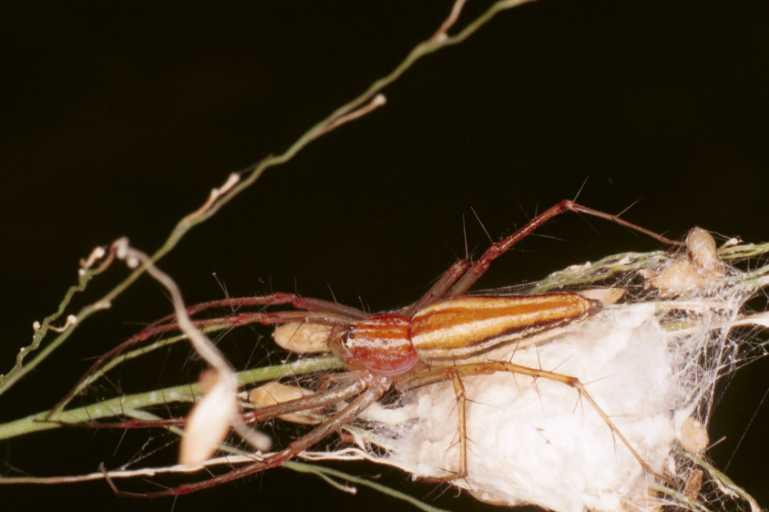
{"x": 438, "y": 338}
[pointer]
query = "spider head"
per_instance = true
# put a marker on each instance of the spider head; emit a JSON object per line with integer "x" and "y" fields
{"x": 380, "y": 344}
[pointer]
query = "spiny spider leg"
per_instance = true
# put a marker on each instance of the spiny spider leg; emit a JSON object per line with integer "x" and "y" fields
{"x": 439, "y": 289}
{"x": 376, "y": 386}
{"x": 461, "y": 396}
{"x": 457, "y": 281}
{"x": 435, "y": 375}
{"x": 267, "y": 318}
{"x": 308, "y": 403}
{"x": 315, "y": 401}
{"x": 273, "y": 299}
{"x": 336, "y": 313}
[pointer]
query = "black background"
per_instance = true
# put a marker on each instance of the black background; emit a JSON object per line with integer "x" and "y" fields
{"x": 118, "y": 118}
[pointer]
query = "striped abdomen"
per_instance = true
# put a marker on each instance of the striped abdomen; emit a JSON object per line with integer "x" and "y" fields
{"x": 463, "y": 327}
{"x": 456, "y": 329}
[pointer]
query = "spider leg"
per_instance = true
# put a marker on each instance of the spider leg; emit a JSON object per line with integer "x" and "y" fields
{"x": 375, "y": 387}
{"x": 264, "y": 318}
{"x": 310, "y": 309}
{"x": 434, "y": 375}
{"x": 273, "y": 299}
{"x": 459, "y": 392}
{"x": 462, "y": 275}
{"x": 438, "y": 290}
{"x": 315, "y": 401}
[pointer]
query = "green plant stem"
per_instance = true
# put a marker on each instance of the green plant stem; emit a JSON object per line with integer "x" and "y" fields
{"x": 182, "y": 393}
{"x": 127, "y": 356}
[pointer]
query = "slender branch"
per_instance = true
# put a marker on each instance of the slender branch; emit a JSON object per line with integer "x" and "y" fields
{"x": 378, "y": 101}
{"x": 85, "y": 275}
{"x": 127, "y": 356}
{"x": 456, "y": 10}
{"x": 119, "y": 406}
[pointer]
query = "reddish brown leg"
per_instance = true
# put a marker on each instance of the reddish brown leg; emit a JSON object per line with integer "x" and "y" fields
{"x": 476, "y": 270}
{"x": 375, "y": 386}
{"x": 434, "y": 375}
{"x": 316, "y": 310}
{"x": 274, "y": 299}
{"x": 316, "y": 401}
{"x": 439, "y": 288}
{"x": 122, "y": 425}
{"x": 320, "y": 399}
{"x": 240, "y": 319}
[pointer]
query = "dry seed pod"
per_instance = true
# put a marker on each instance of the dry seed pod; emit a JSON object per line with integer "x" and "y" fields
{"x": 605, "y": 296}
{"x": 691, "y": 271}
{"x": 693, "y": 485}
{"x": 207, "y": 380}
{"x": 274, "y": 393}
{"x": 693, "y": 436}
{"x": 302, "y": 338}
{"x": 702, "y": 249}
{"x": 208, "y": 423}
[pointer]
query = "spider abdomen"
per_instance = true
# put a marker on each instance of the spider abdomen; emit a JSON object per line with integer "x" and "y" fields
{"x": 463, "y": 327}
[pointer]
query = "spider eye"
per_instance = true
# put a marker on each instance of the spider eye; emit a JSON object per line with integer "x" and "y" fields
{"x": 349, "y": 339}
